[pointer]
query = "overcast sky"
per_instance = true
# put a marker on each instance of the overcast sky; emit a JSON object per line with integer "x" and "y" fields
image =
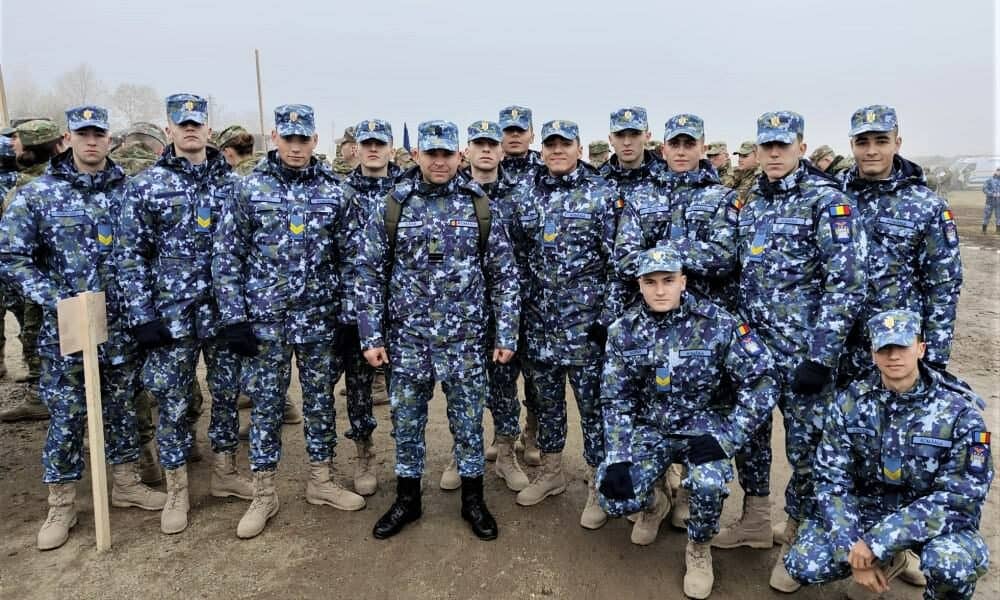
{"x": 935, "y": 61}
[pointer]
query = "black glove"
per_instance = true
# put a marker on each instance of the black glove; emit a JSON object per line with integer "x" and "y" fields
{"x": 239, "y": 338}
{"x": 598, "y": 334}
{"x": 704, "y": 448}
{"x": 152, "y": 335}
{"x": 348, "y": 340}
{"x": 617, "y": 482}
{"x": 810, "y": 377}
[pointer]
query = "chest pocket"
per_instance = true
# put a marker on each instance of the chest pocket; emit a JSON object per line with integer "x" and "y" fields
{"x": 792, "y": 236}
{"x": 462, "y": 241}
{"x": 272, "y": 221}
{"x": 697, "y": 219}
{"x": 898, "y": 237}
{"x": 172, "y": 208}
{"x": 322, "y": 215}
{"x": 696, "y": 371}
{"x": 71, "y": 231}
{"x": 922, "y": 458}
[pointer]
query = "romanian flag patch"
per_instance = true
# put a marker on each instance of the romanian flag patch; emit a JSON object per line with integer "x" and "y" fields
{"x": 841, "y": 210}
{"x": 981, "y": 437}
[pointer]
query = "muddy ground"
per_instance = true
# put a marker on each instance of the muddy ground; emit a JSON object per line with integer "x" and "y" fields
{"x": 318, "y": 552}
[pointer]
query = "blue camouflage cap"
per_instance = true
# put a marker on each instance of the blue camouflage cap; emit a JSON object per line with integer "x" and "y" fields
{"x": 515, "y": 116}
{"x": 88, "y": 115}
{"x": 485, "y": 130}
{"x": 893, "y": 327}
{"x": 437, "y": 135}
{"x": 373, "y": 129}
{"x": 294, "y": 119}
{"x": 684, "y": 124}
{"x": 781, "y": 126}
{"x": 6, "y": 147}
{"x": 662, "y": 259}
{"x": 187, "y": 107}
{"x": 564, "y": 129}
{"x": 877, "y": 117}
{"x": 633, "y": 117}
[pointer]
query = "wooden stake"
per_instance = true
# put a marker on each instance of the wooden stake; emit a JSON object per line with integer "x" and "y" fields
{"x": 3, "y": 102}
{"x": 260, "y": 99}
{"x": 83, "y": 324}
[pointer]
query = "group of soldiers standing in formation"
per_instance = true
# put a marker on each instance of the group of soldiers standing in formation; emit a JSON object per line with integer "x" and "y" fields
{"x": 681, "y": 311}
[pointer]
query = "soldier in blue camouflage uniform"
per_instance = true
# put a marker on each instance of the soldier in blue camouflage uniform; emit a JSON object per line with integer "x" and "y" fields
{"x": 991, "y": 189}
{"x": 277, "y": 268}
{"x": 632, "y": 169}
{"x": 8, "y": 165}
{"x": 364, "y": 191}
{"x": 8, "y": 177}
{"x": 913, "y": 255}
{"x": 904, "y": 463}
{"x": 56, "y": 242}
{"x": 520, "y": 163}
{"x": 665, "y": 359}
{"x": 682, "y": 206}
{"x": 423, "y": 298}
{"x": 484, "y": 154}
{"x": 563, "y": 231}
{"x": 802, "y": 284}
{"x": 164, "y": 255}
{"x": 685, "y": 207}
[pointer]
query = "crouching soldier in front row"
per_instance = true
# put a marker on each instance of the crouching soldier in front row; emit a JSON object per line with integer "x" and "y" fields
{"x": 904, "y": 464}
{"x": 665, "y": 360}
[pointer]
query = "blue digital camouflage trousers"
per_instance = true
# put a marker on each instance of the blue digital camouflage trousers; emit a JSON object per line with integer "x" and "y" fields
{"x": 753, "y": 462}
{"x": 169, "y": 375}
{"x": 61, "y": 388}
{"x": 652, "y": 453}
{"x": 952, "y": 562}
{"x": 502, "y": 399}
{"x": 992, "y": 207}
{"x": 803, "y": 419}
{"x": 465, "y": 395}
{"x": 358, "y": 377}
{"x": 549, "y": 382}
{"x": 266, "y": 382}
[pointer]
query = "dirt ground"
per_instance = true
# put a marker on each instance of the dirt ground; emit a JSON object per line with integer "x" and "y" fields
{"x": 318, "y": 552}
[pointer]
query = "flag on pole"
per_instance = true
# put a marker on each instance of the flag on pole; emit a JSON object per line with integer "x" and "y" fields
{"x": 406, "y": 137}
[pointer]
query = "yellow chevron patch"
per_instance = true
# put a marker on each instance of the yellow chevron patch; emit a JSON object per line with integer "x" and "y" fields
{"x": 296, "y": 229}
{"x": 105, "y": 240}
{"x": 204, "y": 222}
{"x": 663, "y": 381}
{"x": 550, "y": 237}
{"x": 894, "y": 475}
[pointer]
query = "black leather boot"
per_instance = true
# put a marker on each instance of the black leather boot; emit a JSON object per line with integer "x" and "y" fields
{"x": 406, "y": 509}
{"x": 474, "y": 509}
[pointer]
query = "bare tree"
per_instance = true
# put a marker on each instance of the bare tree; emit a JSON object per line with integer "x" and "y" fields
{"x": 79, "y": 86}
{"x": 135, "y": 102}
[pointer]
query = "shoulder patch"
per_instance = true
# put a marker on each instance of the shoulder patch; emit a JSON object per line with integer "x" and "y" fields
{"x": 950, "y": 228}
{"x": 978, "y": 458}
{"x": 748, "y": 340}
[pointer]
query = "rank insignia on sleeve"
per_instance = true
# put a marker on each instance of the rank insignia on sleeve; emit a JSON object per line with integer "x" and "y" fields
{"x": 978, "y": 453}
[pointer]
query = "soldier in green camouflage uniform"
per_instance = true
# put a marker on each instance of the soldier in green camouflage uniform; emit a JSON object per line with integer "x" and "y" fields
{"x": 141, "y": 145}
{"x": 347, "y": 153}
{"x": 828, "y": 161}
{"x": 236, "y": 144}
{"x": 598, "y": 153}
{"x": 746, "y": 172}
{"x": 38, "y": 140}
{"x": 718, "y": 155}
